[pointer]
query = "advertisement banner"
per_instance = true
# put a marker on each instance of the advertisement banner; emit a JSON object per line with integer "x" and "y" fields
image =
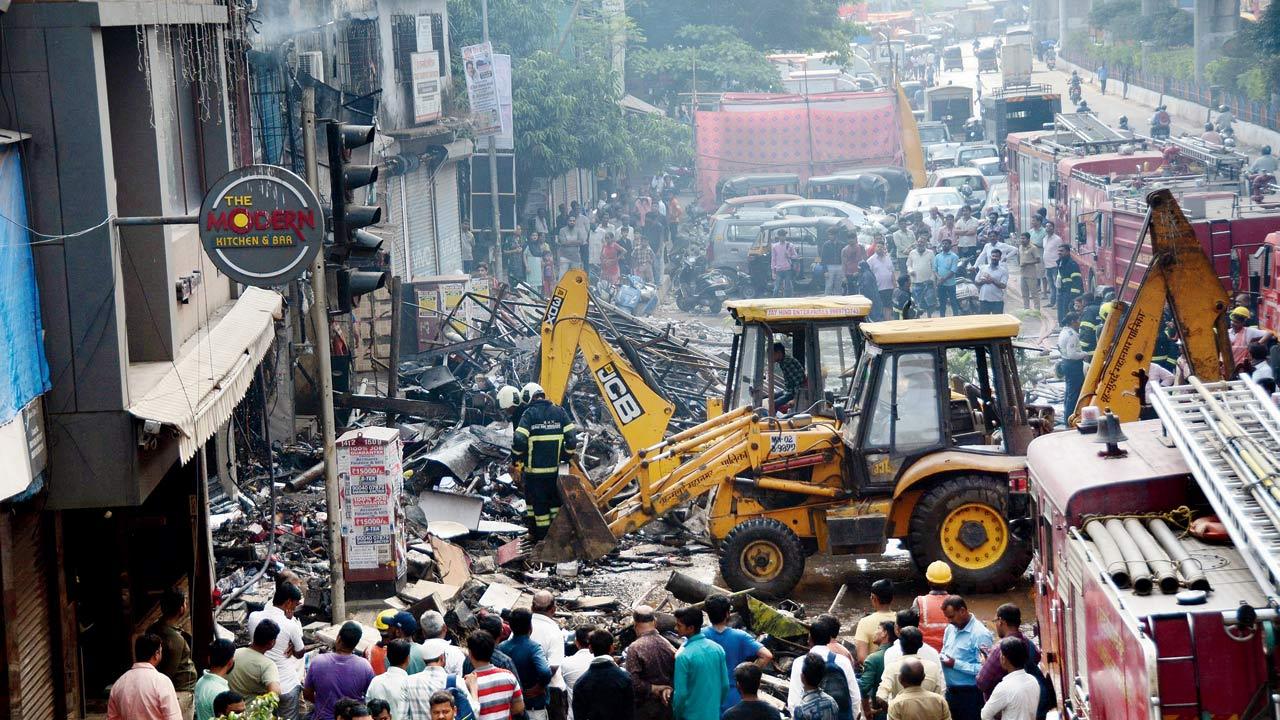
{"x": 426, "y": 86}
{"x": 422, "y": 28}
{"x": 482, "y": 89}
{"x": 505, "y": 139}
{"x": 369, "y": 464}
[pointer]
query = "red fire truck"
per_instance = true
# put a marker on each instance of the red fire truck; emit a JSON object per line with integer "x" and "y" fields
{"x": 1040, "y": 163}
{"x": 1112, "y": 652}
{"x": 1109, "y": 216}
{"x": 1264, "y": 275}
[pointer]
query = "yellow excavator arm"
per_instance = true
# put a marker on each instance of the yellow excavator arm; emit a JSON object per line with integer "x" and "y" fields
{"x": 1179, "y": 276}
{"x": 639, "y": 412}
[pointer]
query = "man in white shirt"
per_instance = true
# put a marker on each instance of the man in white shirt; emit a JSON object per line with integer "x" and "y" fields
{"x": 390, "y": 685}
{"x": 1072, "y": 362}
{"x": 433, "y": 627}
{"x": 547, "y": 633}
{"x": 966, "y": 229}
{"x": 576, "y": 664}
{"x": 910, "y": 618}
{"x": 819, "y": 638}
{"x": 1018, "y": 695}
{"x": 1051, "y": 244}
{"x": 991, "y": 280}
{"x": 289, "y": 647}
{"x": 911, "y": 646}
{"x": 1157, "y": 375}
{"x": 1008, "y": 253}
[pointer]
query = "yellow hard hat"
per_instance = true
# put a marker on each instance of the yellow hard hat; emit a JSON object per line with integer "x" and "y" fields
{"x": 1105, "y": 309}
{"x": 939, "y": 573}
{"x": 1242, "y": 313}
{"x": 383, "y": 620}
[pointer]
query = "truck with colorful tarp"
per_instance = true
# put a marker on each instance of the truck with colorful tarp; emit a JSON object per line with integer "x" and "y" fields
{"x": 806, "y": 135}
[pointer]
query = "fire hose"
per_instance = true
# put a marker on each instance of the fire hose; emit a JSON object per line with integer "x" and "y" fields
{"x": 1139, "y": 571}
{"x": 1112, "y": 560}
{"x": 1157, "y": 559}
{"x": 1190, "y": 569}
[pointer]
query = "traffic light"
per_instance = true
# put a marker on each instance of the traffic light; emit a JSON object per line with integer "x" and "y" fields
{"x": 355, "y": 254}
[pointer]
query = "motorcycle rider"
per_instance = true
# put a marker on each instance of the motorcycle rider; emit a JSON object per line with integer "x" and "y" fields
{"x": 1073, "y": 87}
{"x": 1223, "y": 120}
{"x": 1160, "y": 122}
{"x": 1083, "y": 107}
{"x": 1264, "y": 163}
{"x": 1124, "y": 129}
{"x": 545, "y": 436}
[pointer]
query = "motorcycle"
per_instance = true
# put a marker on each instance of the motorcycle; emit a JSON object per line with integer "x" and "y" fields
{"x": 966, "y": 289}
{"x": 636, "y": 296}
{"x": 1160, "y": 125}
{"x": 1049, "y": 60}
{"x": 1074, "y": 94}
{"x": 700, "y": 289}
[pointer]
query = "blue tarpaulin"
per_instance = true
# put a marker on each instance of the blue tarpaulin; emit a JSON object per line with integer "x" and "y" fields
{"x": 24, "y": 371}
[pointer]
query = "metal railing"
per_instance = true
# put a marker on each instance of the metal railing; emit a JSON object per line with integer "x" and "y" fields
{"x": 1264, "y": 114}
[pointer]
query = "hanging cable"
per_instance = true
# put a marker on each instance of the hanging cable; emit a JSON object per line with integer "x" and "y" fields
{"x": 271, "y": 519}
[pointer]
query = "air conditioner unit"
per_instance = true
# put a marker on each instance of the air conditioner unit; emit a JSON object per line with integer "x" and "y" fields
{"x": 312, "y": 63}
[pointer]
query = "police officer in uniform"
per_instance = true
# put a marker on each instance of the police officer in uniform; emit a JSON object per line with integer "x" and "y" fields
{"x": 544, "y": 436}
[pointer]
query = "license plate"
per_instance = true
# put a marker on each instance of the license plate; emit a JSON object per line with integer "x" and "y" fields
{"x": 719, "y": 293}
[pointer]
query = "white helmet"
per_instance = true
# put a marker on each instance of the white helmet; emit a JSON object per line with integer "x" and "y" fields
{"x": 508, "y": 397}
{"x": 531, "y": 391}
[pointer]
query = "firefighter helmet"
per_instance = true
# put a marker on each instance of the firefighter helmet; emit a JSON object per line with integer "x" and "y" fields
{"x": 508, "y": 397}
{"x": 531, "y": 391}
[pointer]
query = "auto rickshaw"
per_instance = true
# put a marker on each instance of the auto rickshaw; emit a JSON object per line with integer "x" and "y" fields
{"x": 863, "y": 189}
{"x": 757, "y": 184}
{"x": 988, "y": 60}
{"x": 952, "y": 58}
{"x": 899, "y": 184}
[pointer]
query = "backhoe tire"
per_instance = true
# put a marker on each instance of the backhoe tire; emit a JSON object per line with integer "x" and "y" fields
{"x": 764, "y": 554}
{"x": 963, "y": 522}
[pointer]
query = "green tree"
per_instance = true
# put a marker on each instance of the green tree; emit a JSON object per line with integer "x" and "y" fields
{"x": 723, "y": 61}
{"x": 1168, "y": 26}
{"x": 772, "y": 25}
{"x": 516, "y": 27}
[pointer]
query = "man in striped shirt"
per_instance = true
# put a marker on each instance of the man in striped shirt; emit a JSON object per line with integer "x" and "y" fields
{"x": 497, "y": 690}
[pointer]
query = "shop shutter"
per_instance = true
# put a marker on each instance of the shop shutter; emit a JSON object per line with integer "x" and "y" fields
{"x": 420, "y": 245}
{"x": 32, "y": 628}
{"x": 448, "y": 218}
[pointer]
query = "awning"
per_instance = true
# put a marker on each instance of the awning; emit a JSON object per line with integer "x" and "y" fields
{"x": 198, "y": 393}
{"x": 635, "y": 104}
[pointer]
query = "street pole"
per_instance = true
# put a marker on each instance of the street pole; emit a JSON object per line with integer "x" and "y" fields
{"x": 498, "y": 273}
{"x": 320, "y": 340}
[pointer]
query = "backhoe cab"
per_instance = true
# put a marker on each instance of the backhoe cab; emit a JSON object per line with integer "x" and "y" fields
{"x": 821, "y": 333}
{"x": 900, "y": 458}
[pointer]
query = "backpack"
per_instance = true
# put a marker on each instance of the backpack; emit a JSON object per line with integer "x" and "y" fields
{"x": 460, "y": 701}
{"x": 835, "y": 684}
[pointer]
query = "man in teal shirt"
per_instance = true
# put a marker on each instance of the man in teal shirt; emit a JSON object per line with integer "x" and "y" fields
{"x": 701, "y": 678}
{"x": 214, "y": 680}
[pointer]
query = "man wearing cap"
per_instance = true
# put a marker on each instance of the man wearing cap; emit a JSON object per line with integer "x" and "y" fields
{"x": 395, "y": 625}
{"x": 419, "y": 688}
{"x": 433, "y": 626}
{"x": 1240, "y": 334}
{"x": 933, "y": 622}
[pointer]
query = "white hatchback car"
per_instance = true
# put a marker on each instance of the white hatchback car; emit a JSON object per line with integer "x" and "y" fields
{"x": 921, "y": 200}
{"x": 823, "y": 208}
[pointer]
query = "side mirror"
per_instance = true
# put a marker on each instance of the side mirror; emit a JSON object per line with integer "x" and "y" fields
{"x": 841, "y": 415}
{"x": 829, "y": 397}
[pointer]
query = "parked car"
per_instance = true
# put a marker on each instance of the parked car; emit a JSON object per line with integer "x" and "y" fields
{"x": 968, "y": 153}
{"x": 822, "y": 208}
{"x": 753, "y": 202}
{"x": 997, "y": 196}
{"x": 732, "y": 236}
{"x": 921, "y": 200}
{"x": 959, "y": 177}
{"x": 990, "y": 169}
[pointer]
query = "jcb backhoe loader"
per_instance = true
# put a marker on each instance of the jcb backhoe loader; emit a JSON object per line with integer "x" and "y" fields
{"x": 1180, "y": 277}
{"x": 898, "y": 458}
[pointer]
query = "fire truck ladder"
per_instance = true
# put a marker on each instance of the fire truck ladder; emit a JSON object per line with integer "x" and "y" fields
{"x": 1221, "y": 236}
{"x": 1229, "y": 434}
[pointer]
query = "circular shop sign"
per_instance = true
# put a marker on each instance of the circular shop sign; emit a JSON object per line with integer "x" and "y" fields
{"x": 262, "y": 225}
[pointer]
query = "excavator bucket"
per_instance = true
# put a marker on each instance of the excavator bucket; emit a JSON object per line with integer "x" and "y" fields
{"x": 579, "y": 531}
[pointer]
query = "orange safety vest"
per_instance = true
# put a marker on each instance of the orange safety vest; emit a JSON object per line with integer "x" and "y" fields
{"x": 933, "y": 622}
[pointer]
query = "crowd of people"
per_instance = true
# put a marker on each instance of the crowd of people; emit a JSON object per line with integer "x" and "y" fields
{"x": 930, "y": 659}
{"x": 620, "y": 236}
{"x": 918, "y": 268}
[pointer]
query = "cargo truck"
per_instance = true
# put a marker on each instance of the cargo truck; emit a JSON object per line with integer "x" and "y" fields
{"x": 1019, "y": 108}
